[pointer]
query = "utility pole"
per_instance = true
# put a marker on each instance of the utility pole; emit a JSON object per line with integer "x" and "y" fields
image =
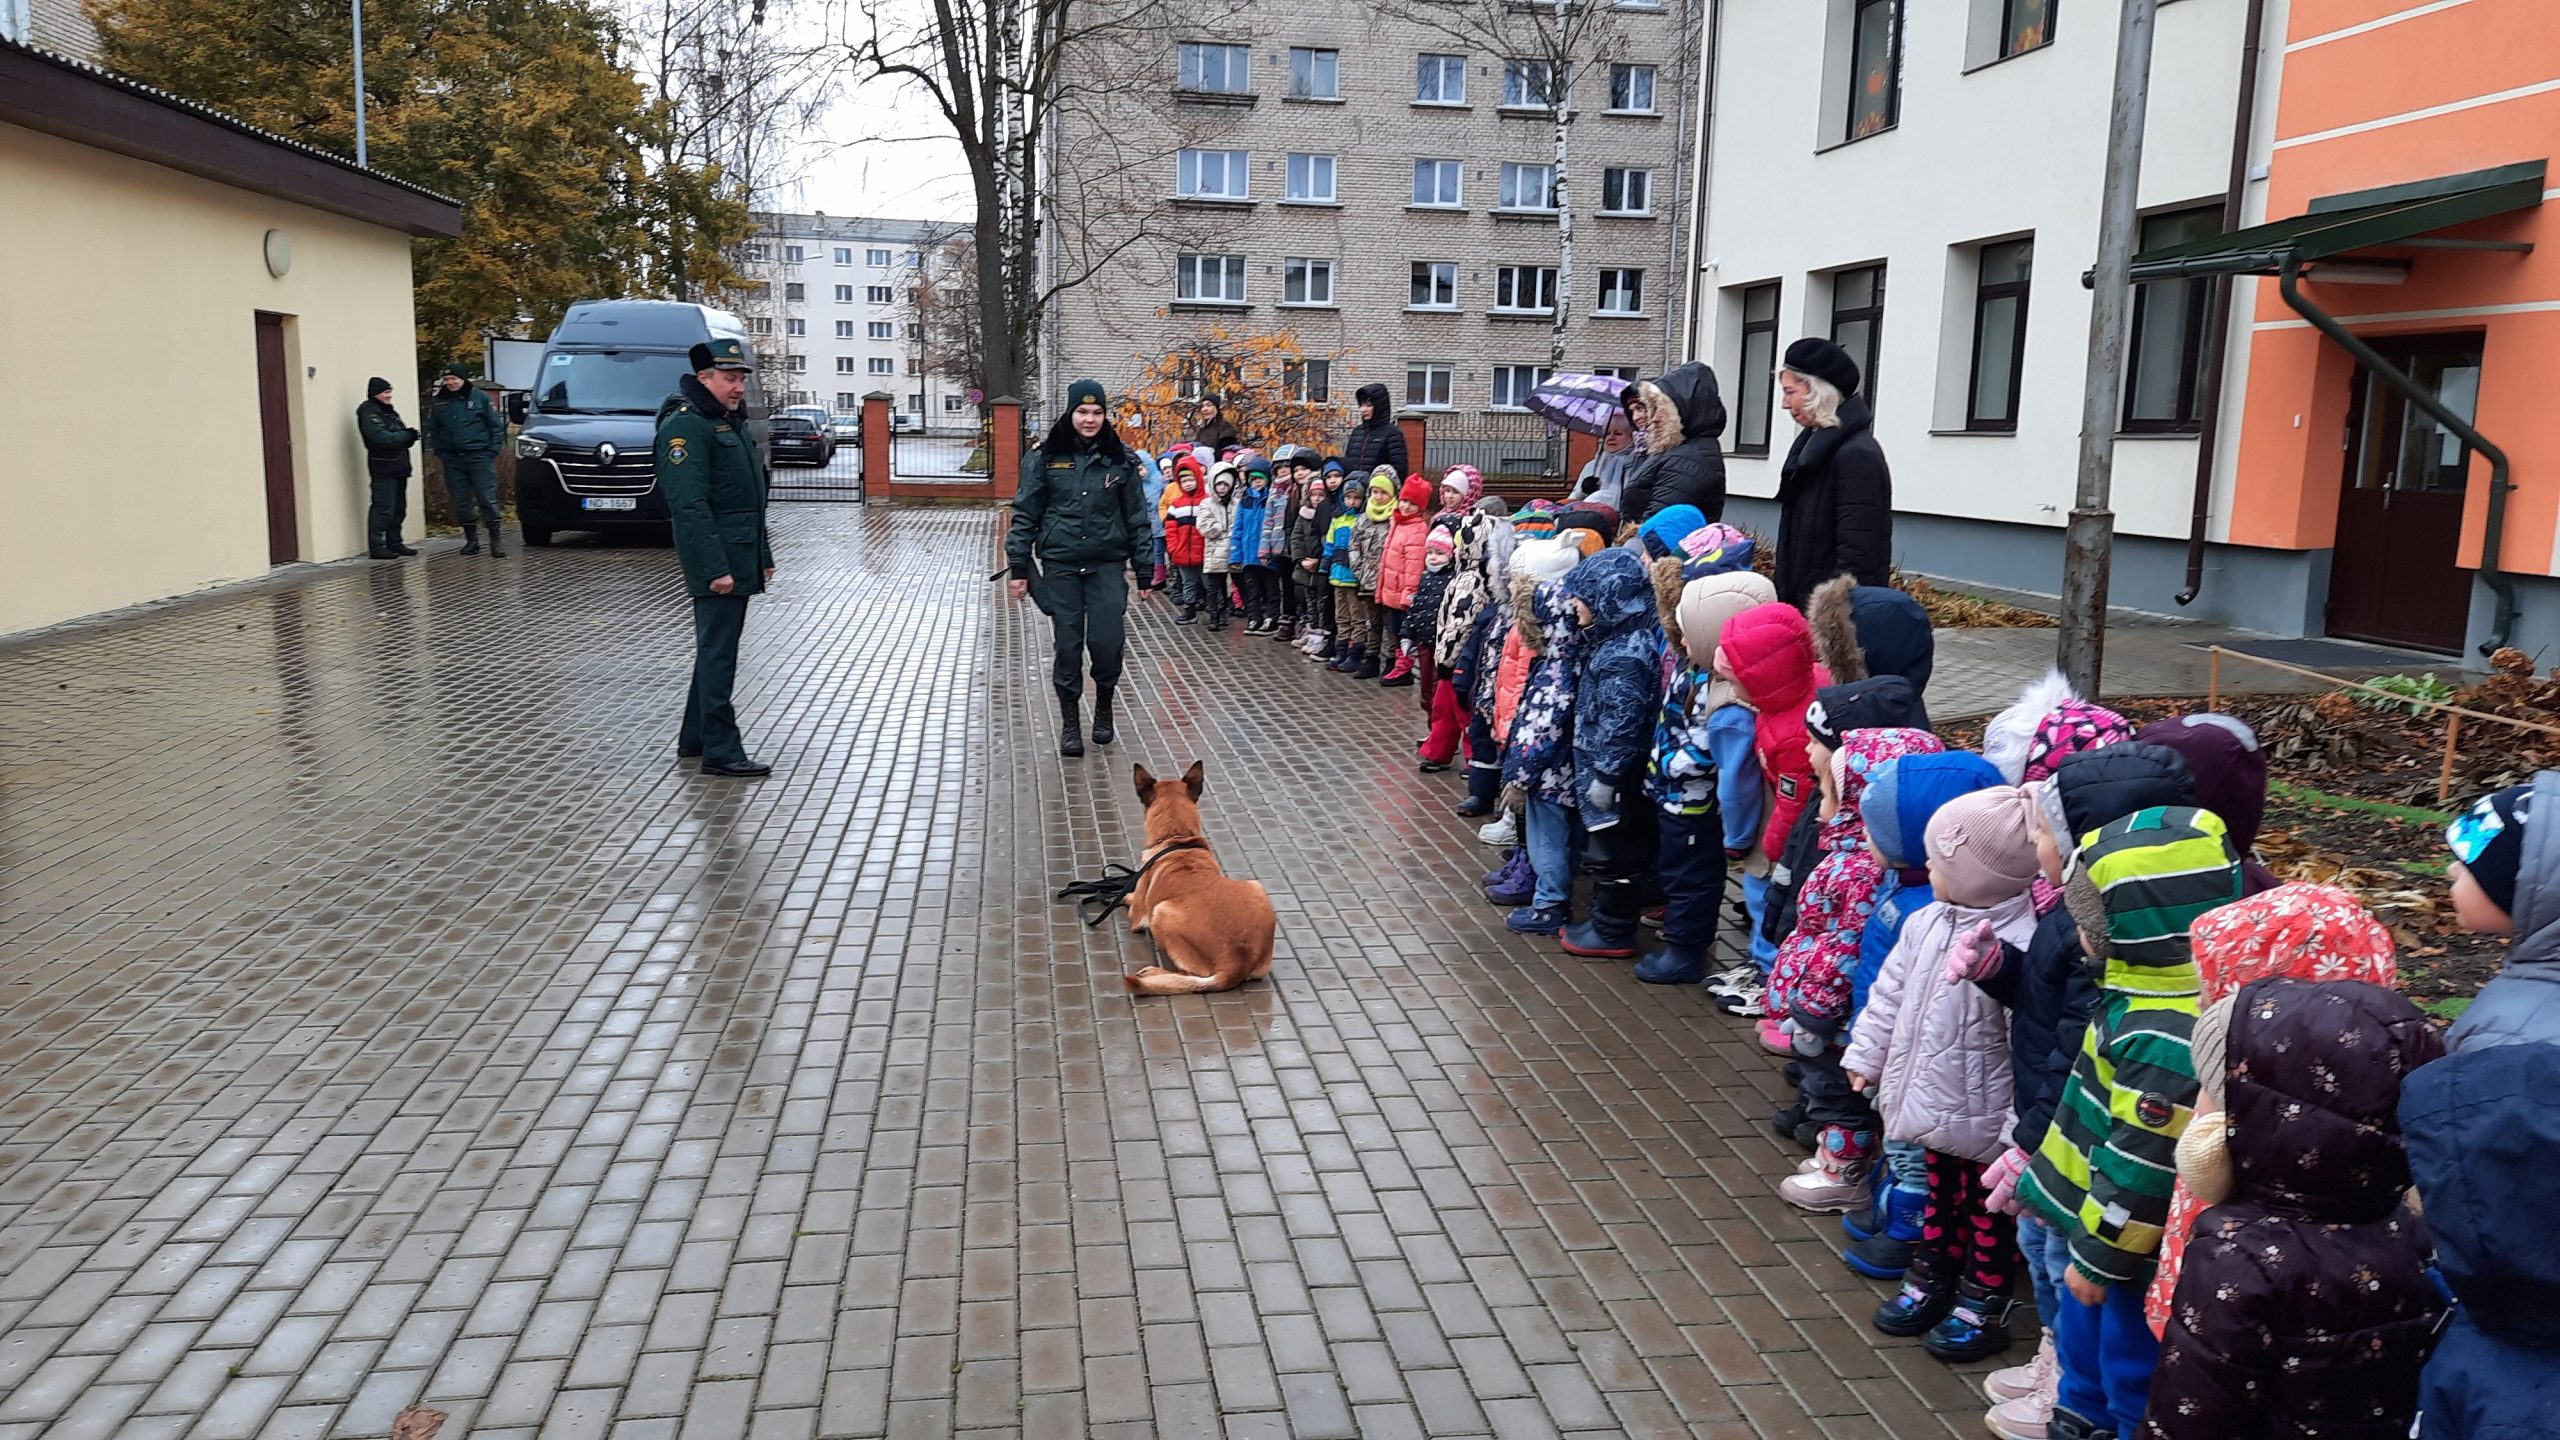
{"x": 2089, "y": 542}
{"x": 358, "y": 7}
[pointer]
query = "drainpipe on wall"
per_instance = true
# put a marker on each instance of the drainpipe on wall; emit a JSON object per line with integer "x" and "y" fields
{"x": 2502, "y": 627}
{"x": 1705, "y": 171}
{"x": 1680, "y": 195}
{"x": 2218, "y": 307}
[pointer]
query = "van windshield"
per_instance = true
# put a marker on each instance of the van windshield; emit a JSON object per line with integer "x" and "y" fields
{"x": 614, "y": 382}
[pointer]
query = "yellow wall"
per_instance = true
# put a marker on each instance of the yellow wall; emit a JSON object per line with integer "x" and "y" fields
{"x": 128, "y": 354}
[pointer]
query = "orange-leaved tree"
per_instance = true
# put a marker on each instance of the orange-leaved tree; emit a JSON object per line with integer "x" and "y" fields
{"x": 1257, "y": 379}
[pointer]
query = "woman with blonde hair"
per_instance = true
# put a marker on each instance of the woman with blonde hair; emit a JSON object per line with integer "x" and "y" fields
{"x": 1835, "y": 494}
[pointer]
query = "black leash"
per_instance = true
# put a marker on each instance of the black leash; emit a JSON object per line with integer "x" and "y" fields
{"x": 1096, "y": 899}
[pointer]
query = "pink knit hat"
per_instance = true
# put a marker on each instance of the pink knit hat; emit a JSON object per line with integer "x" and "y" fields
{"x": 1981, "y": 851}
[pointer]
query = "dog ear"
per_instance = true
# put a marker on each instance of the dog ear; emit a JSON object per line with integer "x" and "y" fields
{"x": 1145, "y": 782}
{"x": 1195, "y": 779}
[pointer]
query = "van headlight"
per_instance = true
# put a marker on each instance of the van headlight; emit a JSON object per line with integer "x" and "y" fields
{"x": 529, "y": 448}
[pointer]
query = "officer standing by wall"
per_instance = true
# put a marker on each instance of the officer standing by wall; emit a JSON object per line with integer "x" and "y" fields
{"x": 1079, "y": 530}
{"x": 713, "y": 479}
{"x": 387, "y": 439}
{"x": 464, "y": 430}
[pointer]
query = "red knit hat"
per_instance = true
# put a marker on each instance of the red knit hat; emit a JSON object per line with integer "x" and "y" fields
{"x": 1417, "y": 491}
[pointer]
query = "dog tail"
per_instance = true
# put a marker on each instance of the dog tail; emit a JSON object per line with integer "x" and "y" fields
{"x": 1173, "y": 982}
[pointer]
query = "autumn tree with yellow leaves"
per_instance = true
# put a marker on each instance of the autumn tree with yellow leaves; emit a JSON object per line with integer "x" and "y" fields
{"x": 1254, "y": 376}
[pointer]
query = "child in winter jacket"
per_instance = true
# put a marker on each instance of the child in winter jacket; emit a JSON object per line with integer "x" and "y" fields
{"x": 1695, "y": 787}
{"x": 1183, "y": 548}
{"x": 1253, "y": 574}
{"x": 1516, "y": 883}
{"x": 1438, "y": 749}
{"x": 2305, "y": 1307}
{"x": 1368, "y": 547}
{"x": 1617, "y": 692}
{"x": 1935, "y": 1052}
{"x": 2101, "y": 1177}
{"x": 1810, "y": 986}
{"x": 1215, "y": 520}
{"x": 1400, "y": 570}
{"x": 2506, "y": 881}
{"x": 1311, "y": 528}
{"x": 1902, "y": 798}
{"x": 1539, "y": 760}
{"x": 1473, "y": 621}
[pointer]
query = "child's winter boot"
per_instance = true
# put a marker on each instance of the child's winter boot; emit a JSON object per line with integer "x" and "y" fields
{"x": 2022, "y": 1395}
{"x": 1366, "y": 668}
{"x": 1535, "y": 919}
{"x": 1841, "y": 1183}
{"x": 1673, "y": 965}
{"x": 1601, "y": 937}
{"x": 1976, "y": 1329}
{"x": 1346, "y": 658}
{"x": 1917, "y": 1307}
{"x": 1885, "y": 1252}
{"x": 1516, "y": 883}
{"x": 1401, "y": 673}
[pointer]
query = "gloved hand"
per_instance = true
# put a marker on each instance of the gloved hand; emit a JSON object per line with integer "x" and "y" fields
{"x": 1600, "y": 795}
{"x": 1975, "y": 955}
{"x": 2001, "y": 1178}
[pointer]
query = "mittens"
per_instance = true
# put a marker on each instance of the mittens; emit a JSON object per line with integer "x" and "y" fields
{"x": 1975, "y": 955}
{"x": 2001, "y": 1176}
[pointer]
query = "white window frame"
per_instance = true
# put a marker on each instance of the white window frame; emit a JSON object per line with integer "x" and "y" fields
{"x": 1516, "y": 178}
{"x": 876, "y": 258}
{"x": 1453, "y": 170}
{"x": 954, "y": 404}
{"x": 1441, "y": 68}
{"x": 797, "y": 363}
{"x": 793, "y": 255}
{"x": 1191, "y": 272}
{"x": 1232, "y": 167}
{"x": 1299, "y": 273}
{"x": 1614, "y": 282}
{"x": 1234, "y": 63}
{"x": 1626, "y": 174}
{"x": 1320, "y": 66}
{"x": 1301, "y": 171}
{"x": 1520, "y": 380}
{"x": 1520, "y": 87}
{"x": 879, "y": 295}
{"x": 1294, "y": 376}
{"x": 1443, "y": 281}
{"x": 845, "y": 365}
{"x": 878, "y": 330}
{"x": 1631, "y": 74}
{"x": 795, "y": 326}
{"x": 844, "y": 294}
{"x": 1438, "y": 376}
{"x": 844, "y": 254}
{"x": 1507, "y": 281}
{"x": 848, "y": 402}
{"x": 884, "y": 365}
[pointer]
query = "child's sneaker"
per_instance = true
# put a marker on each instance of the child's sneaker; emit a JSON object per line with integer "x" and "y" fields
{"x": 1825, "y": 1191}
{"x": 2038, "y": 1377}
{"x": 1654, "y": 917}
{"x": 2029, "y": 1417}
{"x": 1536, "y": 919}
{"x": 1515, "y": 884}
{"x": 1186, "y": 616}
{"x": 1732, "y": 979}
{"x": 1504, "y": 830}
{"x": 1750, "y": 1001}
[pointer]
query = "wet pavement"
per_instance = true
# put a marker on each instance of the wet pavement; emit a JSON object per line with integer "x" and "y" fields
{"x": 386, "y": 1019}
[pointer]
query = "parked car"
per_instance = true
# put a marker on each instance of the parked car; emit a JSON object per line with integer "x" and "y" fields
{"x": 816, "y": 414}
{"x": 846, "y": 427}
{"x": 801, "y": 440}
{"x": 590, "y": 424}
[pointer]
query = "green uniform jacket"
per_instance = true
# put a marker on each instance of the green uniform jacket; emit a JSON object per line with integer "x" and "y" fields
{"x": 1080, "y": 512}
{"x": 464, "y": 424}
{"x": 714, "y": 483}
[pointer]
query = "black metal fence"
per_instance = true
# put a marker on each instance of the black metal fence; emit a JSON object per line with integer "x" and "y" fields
{"x": 840, "y": 479}
{"x": 1512, "y": 447}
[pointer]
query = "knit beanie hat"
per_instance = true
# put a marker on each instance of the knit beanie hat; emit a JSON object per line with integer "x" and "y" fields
{"x": 1253, "y": 462}
{"x": 1386, "y": 473}
{"x": 2488, "y": 839}
{"x": 1440, "y": 542}
{"x": 1980, "y": 849}
{"x": 1084, "y": 390}
{"x": 2299, "y": 931}
{"x": 2211, "y": 1044}
{"x": 1467, "y": 481}
{"x": 1670, "y": 526}
{"x": 1904, "y": 796}
{"x": 2230, "y": 770}
{"x": 456, "y": 371}
{"x": 1333, "y": 467}
{"x": 1716, "y": 549}
{"x": 2073, "y": 726}
{"x": 1544, "y": 560}
{"x": 1417, "y": 492}
{"x": 375, "y": 386}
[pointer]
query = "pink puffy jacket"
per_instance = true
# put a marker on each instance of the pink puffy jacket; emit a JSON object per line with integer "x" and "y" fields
{"x": 1400, "y": 565}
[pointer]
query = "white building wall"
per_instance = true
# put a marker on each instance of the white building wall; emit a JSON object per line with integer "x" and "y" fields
{"x": 1999, "y": 151}
{"x": 819, "y": 241}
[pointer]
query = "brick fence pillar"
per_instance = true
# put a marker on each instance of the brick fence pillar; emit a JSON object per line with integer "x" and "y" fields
{"x": 1004, "y": 445}
{"x": 1578, "y": 450}
{"x": 1414, "y": 434}
{"x": 875, "y": 445}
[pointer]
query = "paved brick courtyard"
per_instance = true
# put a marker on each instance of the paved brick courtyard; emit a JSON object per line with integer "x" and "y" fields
{"x": 387, "y": 1020}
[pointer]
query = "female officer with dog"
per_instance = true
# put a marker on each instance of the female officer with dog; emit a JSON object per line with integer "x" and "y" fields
{"x": 1079, "y": 532}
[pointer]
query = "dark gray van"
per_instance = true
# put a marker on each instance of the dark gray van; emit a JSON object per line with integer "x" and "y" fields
{"x": 591, "y": 421}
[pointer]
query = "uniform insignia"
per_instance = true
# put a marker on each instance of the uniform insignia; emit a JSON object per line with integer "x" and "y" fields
{"x": 675, "y": 449}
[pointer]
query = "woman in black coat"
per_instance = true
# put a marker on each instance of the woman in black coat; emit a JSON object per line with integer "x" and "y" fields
{"x": 1835, "y": 494}
{"x": 1376, "y": 440}
{"x": 1682, "y": 417}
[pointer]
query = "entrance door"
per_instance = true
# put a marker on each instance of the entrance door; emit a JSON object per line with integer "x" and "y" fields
{"x": 2393, "y": 578}
{"x": 275, "y": 430}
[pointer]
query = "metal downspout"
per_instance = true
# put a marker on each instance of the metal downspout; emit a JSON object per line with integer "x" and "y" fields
{"x": 2502, "y": 627}
{"x": 2217, "y": 335}
{"x": 1704, "y": 170}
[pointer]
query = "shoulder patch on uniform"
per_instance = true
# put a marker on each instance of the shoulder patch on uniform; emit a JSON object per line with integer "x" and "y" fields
{"x": 675, "y": 449}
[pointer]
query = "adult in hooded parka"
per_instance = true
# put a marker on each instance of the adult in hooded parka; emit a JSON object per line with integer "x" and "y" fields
{"x": 1682, "y": 416}
{"x": 1375, "y": 438}
{"x": 1079, "y": 533}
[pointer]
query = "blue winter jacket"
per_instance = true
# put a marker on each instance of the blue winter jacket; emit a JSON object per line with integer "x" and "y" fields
{"x": 1914, "y": 787}
{"x": 2481, "y": 1132}
{"x": 1539, "y": 757}
{"x": 1244, "y": 528}
{"x": 1618, "y": 684}
{"x": 1154, "y": 487}
{"x": 1681, "y": 775}
{"x": 1739, "y": 793}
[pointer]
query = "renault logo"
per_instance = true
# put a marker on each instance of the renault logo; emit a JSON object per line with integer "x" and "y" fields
{"x": 604, "y": 454}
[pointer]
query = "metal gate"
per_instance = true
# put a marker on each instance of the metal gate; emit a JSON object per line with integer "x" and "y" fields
{"x": 1506, "y": 447}
{"x": 941, "y": 455}
{"x": 840, "y": 479}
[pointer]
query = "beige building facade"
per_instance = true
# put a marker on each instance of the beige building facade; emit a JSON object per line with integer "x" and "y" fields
{"x": 194, "y": 308}
{"x": 1382, "y": 189}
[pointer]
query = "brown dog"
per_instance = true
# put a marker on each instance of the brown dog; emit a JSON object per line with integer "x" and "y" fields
{"x": 1215, "y": 931}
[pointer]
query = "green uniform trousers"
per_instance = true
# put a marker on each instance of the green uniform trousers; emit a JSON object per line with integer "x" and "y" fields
{"x": 471, "y": 483}
{"x": 1088, "y": 613}
{"x": 710, "y": 722}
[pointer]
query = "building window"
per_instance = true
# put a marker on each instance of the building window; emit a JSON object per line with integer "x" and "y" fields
{"x": 1309, "y": 382}
{"x": 1435, "y": 182}
{"x": 2164, "y": 364}
{"x": 756, "y": 254}
{"x": 1311, "y": 177}
{"x": 1626, "y": 192}
{"x": 1218, "y": 69}
{"x": 954, "y": 404}
{"x": 878, "y": 258}
{"x": 844, "y": 365}
{"x": 1314, "y": 74}
{"x": 1528, "y": 187}
{"x": 1621, "y": 292}
{"x": 1440, "y": 80}
{"x": 1524, "y": 287}
{"x": 2024, "y": 25}
{"x": 844, "y": 254}
{"x": 1529, "y": 84}
{"x": 1210, "y": 175}
{"x": 844, "y": 329}
{"x": 1857, "y": 320}
{"x": 1875, "y": 66}
{"x": 847, "y": 400}
{"x": 915, "y": 398}
{"x": 795, "y": 327}
{"x": 1426, "y": 386}
{"x": 1756, "y": 384}
{"x": 1214, "y": 278}
{"x": 1306, "y": 282}
{"x": 876, "y": 294}
{"x": 1999, "y": 335}
{"x": 915, "y": 329}
{"x": 793, "y": 254}
{"x": 1512, "y": 384}
{"x": 883, "y": 365}
{"x": 796, "y": 363}
{"x": 1435, "y": 285}
{"x": 844, "y": 294}
{"x": 794, "y": 290}
{"x": 1631, "y": 89}
{"x": 1627, "y": 373}
{"x": 915, "y": 260}
{"x": 759, "y": 325}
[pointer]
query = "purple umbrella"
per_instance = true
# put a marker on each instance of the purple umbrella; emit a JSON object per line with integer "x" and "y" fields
{"x": 1577, "y": 401}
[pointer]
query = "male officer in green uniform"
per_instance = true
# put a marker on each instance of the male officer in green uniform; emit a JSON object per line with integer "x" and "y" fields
{"x": 1081, "y": 514}
{"x": 464, "y": 430}
{"x": 714, "y": 483}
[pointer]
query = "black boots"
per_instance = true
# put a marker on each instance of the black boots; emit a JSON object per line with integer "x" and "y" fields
{"x": 1103, "y": 734}
{"x": 380, "y": 549}
{"x": 470, "y": 539}
{"x": 1070, "y": 726}
{"x": 393, "y": 543}
{"x": 497, "y": 551}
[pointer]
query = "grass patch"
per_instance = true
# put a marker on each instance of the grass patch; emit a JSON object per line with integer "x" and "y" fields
{"x": 2351, "y": 805}
{"x": 2423, "y": 869}
{"x": 2449, "y": 1008}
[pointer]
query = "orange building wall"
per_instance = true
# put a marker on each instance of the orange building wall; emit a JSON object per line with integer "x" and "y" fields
{"x": 2289, "y": 476}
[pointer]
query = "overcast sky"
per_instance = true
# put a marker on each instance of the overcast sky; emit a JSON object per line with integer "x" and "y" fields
{"x": 883, "y": 150}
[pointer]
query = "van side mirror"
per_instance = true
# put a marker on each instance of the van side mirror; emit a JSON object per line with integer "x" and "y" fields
{"x": 516, "y": 407}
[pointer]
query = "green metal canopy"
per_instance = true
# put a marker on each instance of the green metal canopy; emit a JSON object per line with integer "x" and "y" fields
{"x": 2337, "y": 225}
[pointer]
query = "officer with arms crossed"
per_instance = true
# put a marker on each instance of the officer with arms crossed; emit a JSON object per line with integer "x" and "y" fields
{"x": 714, "y": 483}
